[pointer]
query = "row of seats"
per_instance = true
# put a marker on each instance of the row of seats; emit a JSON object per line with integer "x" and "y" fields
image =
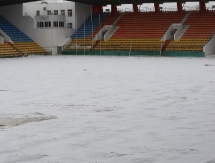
{"x": 80, "y": 44}
{"x": 152, "y": 44}
{"x": 20, "y": 49}
{"x": 201, "y": 25}
{"x": 7, "y": 51}
{"x": 28, "y": 48}
{"x": 190, "y": 44}
{"x": 149, "y": 25}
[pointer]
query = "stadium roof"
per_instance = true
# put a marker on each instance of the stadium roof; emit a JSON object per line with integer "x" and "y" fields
{"x": 101, "y": 2}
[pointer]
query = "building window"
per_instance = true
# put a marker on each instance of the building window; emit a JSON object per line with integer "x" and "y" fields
{"x": 49, "y": 12}
{"x": 62, "y": 12}
{"x": 69, "y": 25}
{"x": 69, "y": 13}
{"x": 47, "y": 24}
{"x": 40, "y": 24}
{"x": 55, "y": 24}
{"x": 38, "y": 13}
{"x": 55, "y": 12}
{"x": 61, "y": 24}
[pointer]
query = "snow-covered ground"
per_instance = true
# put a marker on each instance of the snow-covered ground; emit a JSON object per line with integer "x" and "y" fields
{"x": 68, "y": 109}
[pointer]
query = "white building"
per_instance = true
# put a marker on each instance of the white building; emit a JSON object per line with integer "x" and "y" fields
{"x": 49, "y": 23}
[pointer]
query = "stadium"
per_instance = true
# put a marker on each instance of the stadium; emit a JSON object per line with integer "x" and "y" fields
{"x": 84, "y": 28}
{"x": 92, "y": 81}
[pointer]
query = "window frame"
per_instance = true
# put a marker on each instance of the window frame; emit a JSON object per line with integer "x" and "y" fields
{"x": 61, "y": 24}
{"x": 69, "y": 25}
{"x": 69, "y": 13}
{"x": 40, "y": 24}
{"x": 55, "y": 24}
{"x": 49, "y": 12}
{"x": 55, "y": 12}
{"x": 62, "y": 12}
{"x": 38, "y": 12}
{"x": 47, "y": 24}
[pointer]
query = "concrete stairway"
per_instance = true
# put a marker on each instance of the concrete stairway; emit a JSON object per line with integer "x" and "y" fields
{"x": 185, "y": 27}
{"x": 185, "y": 18}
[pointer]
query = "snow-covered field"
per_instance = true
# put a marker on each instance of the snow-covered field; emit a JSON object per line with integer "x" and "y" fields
{"x": 68, "y": 109}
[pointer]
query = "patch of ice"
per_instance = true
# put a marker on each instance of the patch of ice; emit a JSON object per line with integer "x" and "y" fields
{"x": 16, "y": 121}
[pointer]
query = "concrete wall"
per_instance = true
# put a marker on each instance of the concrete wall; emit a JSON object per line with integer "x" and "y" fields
{"x": 169, "y": 35}
{"x": 83, "y": 11}
{"x": 48, "y": 38}
{"x": 209, "y": 48}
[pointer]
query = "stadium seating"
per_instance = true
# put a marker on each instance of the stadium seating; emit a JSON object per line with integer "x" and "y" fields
{"x": 85, "y": 41}
{"x": 82, "y": 44}
{"x": 109, "y": 20}
{"x": 7, "y": 51}
{"x": 15, "y": 34}
{"x": 201, "y": 29}
{"x": 22, "y": 42}
{"x": 146, "y": 24}
{"x": 138, "y": 44}
{"x": 90, "y": 25}
{"x": 187, "y": 44}
{"x": 141, "y": 31}
{"x": 28, "y": 48}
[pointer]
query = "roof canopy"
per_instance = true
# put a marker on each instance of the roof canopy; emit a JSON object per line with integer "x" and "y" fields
{"x": 99, "y": 2}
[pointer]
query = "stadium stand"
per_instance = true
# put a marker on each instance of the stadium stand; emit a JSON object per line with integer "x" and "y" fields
{"x": 15, "y": 34}
{"x": 80, "y": 44}
{"x": 109, "y": 20}
{"x": 21, "y": 42}
{"x": 141, "y": 31}
{"x": 90, "y": 25}
{"x": 28, "y": 48}
{"x": 84, "y": 40}
{"x": 201, "y": 29}
{"x": 8, "y": 51}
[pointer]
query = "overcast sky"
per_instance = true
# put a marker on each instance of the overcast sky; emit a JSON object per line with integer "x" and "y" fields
{"x": 164, "y": 5}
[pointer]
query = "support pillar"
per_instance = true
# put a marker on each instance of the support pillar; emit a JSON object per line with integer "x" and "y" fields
{"x": 179, "y": 6}
{"x": 100, "y": 8}
{"x": 135, "y": 8}
{"x": 202, "y": 6}
{"x": 95, "y": 9}
{"x": 113, "y": 9}
{"x": 157, "y": 7}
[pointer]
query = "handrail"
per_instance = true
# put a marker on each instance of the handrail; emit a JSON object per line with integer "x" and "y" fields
{"x": 5, "y": 36}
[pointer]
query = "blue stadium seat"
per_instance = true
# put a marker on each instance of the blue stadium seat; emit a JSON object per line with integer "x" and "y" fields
{"x": 15, "y": 34}
{"x": 90, "y": 25}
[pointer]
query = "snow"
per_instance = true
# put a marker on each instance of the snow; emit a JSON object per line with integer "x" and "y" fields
{"x": 96, "y": 109}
